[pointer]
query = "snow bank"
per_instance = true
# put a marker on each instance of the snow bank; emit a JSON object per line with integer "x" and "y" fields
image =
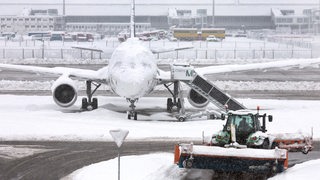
{"x": 146, "y": 167}
{"x": 160, "y": 166}
{"x": 306, "y": 170}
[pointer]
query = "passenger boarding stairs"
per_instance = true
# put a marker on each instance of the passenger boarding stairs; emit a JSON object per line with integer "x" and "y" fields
{"x": 187, "y": 74}
{"x": 214, "y": 94}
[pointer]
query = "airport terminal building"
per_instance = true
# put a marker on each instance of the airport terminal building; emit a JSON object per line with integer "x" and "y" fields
{"x": 112, "y": 16}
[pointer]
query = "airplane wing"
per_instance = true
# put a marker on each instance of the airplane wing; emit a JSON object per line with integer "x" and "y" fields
{"x": 99, "y": 75}
{"x": 257, "y": 66}
{"x": 153, "y": 50}
{"x": 166, "y": 76}
{"x": 163, "y": 50}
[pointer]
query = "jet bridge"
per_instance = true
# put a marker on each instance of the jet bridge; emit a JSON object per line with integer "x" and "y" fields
{"x": 186, "y": 74}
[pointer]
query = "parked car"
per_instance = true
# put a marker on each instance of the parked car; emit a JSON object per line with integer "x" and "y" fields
{"x": 212, "y": 38}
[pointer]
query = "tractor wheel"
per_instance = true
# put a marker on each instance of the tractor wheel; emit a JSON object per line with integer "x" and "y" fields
{"x": 187, "y": 163}
{"x": 274, "y": 145}
{"x": 265, "y": 144}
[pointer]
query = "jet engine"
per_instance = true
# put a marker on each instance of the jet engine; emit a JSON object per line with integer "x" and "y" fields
{"x": 196, "y": 99}
{"x": 64, "y": 91}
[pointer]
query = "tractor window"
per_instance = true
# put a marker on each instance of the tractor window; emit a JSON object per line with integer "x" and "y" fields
{"x": 241, "y": 122}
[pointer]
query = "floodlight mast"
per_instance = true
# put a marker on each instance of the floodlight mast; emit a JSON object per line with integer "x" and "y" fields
{"x": 132, "y": 24}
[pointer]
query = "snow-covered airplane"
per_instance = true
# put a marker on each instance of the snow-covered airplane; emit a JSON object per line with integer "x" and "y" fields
{"x": 133, "y": 73}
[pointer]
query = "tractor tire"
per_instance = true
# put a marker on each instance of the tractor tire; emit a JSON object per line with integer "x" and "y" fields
{"x": 265, "y": 144}
{"x": 187, "y": 163}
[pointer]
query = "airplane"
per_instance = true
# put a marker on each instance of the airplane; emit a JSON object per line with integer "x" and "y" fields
{"x": 132, "y": 73}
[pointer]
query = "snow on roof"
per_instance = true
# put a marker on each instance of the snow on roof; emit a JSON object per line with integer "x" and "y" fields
{"x": 157, "y": 8}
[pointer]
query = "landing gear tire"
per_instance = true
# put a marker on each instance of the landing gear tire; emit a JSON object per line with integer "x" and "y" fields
{"x": 84, "y": 104}
{"x": 169, "y": 104}
{"x": 181, "y": 119}
{"x": 179, "y": 104}
{"x": 94, "y": 103}
{"x": 135, "y": 116}
{"x": 89, "y": 106}
{"x": 132, "y": 114}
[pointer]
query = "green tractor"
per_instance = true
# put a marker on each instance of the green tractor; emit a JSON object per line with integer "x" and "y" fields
{"x": 244, "y": 128}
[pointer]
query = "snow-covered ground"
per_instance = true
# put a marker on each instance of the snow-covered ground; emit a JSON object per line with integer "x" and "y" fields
{"x": 158, "y": 167}
{"x": 38, "y": 118}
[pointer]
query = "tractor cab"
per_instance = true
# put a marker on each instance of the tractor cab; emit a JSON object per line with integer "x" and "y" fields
{"x": 246, "y": 124}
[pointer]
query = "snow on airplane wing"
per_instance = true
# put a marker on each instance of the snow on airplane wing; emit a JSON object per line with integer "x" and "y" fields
{"x": 99, "y": 75}
{"x": 87, "y": 48}
{"x": 163, "y": 50}
{"x": 166, "y": 76}
{"x": 244, "y": 67}
{"x": 154, "y": 51}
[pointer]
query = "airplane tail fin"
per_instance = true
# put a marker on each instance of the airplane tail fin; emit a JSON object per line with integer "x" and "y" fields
{"x": 132, "y": 24}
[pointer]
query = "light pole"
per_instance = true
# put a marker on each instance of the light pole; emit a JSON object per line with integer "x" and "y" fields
{"x": 213, "y": 13}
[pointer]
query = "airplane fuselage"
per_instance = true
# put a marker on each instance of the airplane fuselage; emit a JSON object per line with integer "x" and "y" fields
{"x": 132, "y": 70}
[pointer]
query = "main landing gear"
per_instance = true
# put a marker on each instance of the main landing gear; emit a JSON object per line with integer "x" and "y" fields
{"x": 132, "y": 112}
{"x": 90, "y": 103}
{"x": 176, "y": 101}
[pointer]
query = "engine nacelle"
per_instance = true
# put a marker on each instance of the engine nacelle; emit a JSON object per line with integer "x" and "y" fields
{"x": 64, "y": 91}
{"x": 196, "y": 99}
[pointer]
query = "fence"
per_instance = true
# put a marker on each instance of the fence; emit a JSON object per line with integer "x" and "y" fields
{"x": 185, "y": 54}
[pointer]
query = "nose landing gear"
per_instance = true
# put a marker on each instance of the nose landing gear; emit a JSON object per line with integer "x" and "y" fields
{"x": 132, "y": 112}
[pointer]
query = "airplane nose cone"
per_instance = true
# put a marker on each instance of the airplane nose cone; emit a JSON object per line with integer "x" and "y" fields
{"x": 130, "y": 85}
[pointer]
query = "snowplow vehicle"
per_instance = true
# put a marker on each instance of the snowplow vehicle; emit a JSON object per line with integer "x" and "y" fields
{"x": 248, "y": 130}
{"x": 243, "y": 146}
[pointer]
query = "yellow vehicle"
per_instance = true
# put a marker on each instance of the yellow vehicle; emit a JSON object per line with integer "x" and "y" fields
{"x": 186, "y": 34}
{"x": 195, "y": 34}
